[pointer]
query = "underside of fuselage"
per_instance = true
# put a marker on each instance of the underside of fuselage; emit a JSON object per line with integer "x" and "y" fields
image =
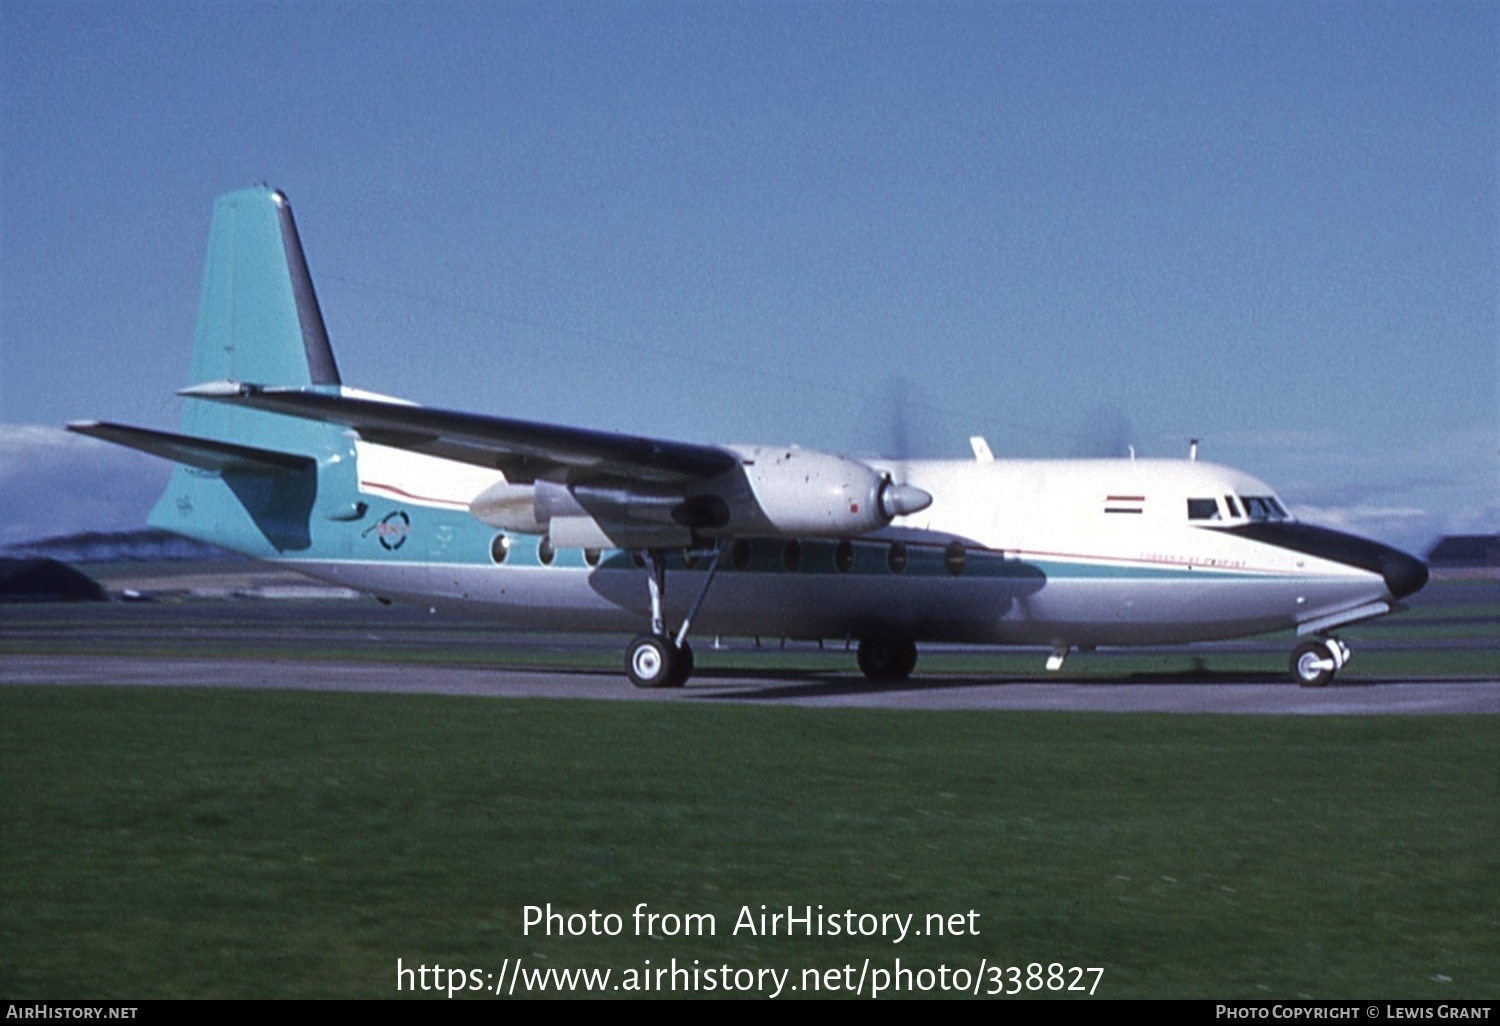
{"x": 1014, "y": 601}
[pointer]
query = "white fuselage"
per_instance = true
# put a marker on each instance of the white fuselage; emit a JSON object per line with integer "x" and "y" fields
{"x": 1035, "y": 552}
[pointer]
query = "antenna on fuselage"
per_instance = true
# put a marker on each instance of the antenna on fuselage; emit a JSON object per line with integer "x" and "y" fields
{"x": 1193, "y": 449}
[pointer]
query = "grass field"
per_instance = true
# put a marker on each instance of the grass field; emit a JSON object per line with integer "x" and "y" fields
{"x": 187, "y": 842}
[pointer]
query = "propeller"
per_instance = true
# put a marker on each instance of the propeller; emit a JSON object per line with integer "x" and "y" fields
{"x": 897, "y": 497}
{"x": 1104, "y": 434}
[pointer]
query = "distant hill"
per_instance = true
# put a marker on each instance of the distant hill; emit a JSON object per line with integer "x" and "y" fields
{"x": 144, "y": 564}
{"x": 144, "y": 546}
{"x": 1466, "y": 551}
{"x": 37, "y": 579}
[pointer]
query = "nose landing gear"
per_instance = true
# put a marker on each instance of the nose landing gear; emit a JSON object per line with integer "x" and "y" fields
{"x": 1316, "y": 661}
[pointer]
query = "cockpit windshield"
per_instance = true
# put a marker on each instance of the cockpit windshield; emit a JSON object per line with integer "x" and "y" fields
{"x": 1256, "y": 507}
{"x": 1203, "y": 509}
{"x": 1264, "y": 507}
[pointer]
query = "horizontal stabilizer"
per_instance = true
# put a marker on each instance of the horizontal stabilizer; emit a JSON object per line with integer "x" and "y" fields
{"x": 193, "y": 452}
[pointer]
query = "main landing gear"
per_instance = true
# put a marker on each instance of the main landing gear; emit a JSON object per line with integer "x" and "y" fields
{"x": 658, "y": 662}
{"x": 1316, "y": 661}
{"x": 658, "y": 659}
{"x": 886, "y": 660}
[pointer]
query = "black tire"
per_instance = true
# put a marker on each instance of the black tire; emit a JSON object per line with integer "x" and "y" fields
{"x": 1313, "y": 665}
{"x": 652, "y": 662}
{"x": 887, "y": 660}
{"x": 684, "y": 666}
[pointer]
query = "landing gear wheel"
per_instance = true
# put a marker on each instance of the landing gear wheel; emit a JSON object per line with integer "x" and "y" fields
{"x": 649, "y": 662}
{"x": 887, "y": 660}
{"x": 653, "y": 662}
{"x": 1315, "y": 662}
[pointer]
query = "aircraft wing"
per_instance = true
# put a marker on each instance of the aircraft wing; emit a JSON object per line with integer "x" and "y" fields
{"x": 523, "y": 450}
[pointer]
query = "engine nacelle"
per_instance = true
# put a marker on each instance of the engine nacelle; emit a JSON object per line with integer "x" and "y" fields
{"x": 811, "y": 493}
{"x": 510, "y": 507}
{"x": 595, "y": 515}
{"x": 786, "y": 491}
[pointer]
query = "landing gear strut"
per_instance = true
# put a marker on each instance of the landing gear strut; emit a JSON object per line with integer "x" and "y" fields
{"x": 1315, "y": 662}
{"x": 659, "y": 660}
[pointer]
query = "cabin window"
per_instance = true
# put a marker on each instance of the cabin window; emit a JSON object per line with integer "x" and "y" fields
{"x": 895, "y": 557}
{"x": 843, "y": 556}
{"x": 791, "y": 556}
{"x": 499, "y": 548}
{"x": 739, "y": 554}
{"x": 1203, "y": 509}
{"x": 591, "y": 556}
{"x": 545, "y": 553}
{"x": 953, "y": 557}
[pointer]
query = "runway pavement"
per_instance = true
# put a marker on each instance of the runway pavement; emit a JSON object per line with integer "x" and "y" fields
{"x": 1392, "y": 697}
{"x": 360, "y": 646}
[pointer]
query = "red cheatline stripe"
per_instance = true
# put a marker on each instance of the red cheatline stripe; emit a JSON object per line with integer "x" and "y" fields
{"x": 411, "y": 495}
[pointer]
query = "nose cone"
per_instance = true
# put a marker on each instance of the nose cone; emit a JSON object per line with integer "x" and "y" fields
{"x": 901, "y": 499}
{"x": 1403, "y": 574}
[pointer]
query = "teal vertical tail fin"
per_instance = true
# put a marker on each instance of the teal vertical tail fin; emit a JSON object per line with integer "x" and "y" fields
{"x": 258, "y": 316}
{"x": 256, "y": 482}
{"x": 259, "y": 323}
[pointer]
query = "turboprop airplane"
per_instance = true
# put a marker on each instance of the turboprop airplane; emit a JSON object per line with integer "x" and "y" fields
{"x": 541, "y": 526}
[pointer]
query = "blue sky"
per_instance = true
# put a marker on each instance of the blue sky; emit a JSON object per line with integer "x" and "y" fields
{"x": 1067, "y": 226}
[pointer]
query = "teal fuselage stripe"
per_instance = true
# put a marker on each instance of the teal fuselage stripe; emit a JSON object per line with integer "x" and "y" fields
{"x": 398, "y": 533}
